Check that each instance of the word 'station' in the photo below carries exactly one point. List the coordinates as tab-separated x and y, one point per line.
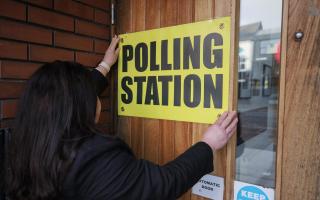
177	73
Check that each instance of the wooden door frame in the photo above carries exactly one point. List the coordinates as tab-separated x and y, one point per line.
231	147
233	97
283	62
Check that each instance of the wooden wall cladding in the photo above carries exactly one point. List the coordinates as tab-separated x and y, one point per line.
298	173
161	140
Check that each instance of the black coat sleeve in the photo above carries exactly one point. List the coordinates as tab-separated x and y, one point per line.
100	81
117	174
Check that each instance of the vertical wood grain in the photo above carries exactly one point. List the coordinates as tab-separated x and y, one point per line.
282	91
233	95
137	132
223	8
186	11
124	13
152	126
182	130
168	17
301	137
203	11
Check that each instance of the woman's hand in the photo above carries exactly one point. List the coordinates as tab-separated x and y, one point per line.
218	134
112	53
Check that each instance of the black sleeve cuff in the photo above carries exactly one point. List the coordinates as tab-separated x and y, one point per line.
99	81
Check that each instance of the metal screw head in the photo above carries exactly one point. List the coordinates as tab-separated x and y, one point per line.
298	35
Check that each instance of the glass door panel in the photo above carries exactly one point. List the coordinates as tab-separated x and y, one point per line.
258	76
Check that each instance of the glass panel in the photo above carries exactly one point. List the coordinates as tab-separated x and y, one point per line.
259	63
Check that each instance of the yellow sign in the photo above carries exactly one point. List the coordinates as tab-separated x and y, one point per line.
176	73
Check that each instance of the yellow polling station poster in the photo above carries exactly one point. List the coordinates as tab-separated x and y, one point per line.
176	73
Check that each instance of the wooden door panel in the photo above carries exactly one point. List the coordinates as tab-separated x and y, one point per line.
162	140
151	127
300	161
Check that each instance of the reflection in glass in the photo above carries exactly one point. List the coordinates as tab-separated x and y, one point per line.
258	81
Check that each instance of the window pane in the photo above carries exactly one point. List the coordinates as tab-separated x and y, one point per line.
258	71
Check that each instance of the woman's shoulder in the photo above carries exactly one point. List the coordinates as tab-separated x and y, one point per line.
99	144
95	151
102	140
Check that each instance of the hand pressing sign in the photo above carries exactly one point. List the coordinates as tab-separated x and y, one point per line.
218	134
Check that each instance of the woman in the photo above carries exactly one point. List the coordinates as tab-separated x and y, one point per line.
56	152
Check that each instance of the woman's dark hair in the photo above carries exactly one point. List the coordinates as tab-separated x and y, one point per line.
56	112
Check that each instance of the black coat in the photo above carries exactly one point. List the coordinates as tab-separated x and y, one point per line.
105	168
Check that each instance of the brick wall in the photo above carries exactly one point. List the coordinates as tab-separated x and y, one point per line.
33	32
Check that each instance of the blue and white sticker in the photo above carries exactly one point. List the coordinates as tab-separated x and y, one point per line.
246	191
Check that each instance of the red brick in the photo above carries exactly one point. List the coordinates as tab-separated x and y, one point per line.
105	117
105	103
13	9
9	108
100	46
48	54
17	70
74	8
91	29
9	49
88	59
24	32
73	41
102	17
11	89
102	4
52	19
42	3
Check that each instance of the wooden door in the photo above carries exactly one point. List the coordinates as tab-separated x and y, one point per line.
298	167
161	140
298	155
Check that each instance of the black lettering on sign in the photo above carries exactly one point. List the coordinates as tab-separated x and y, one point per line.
126	98
152	91
207	51
153	55
212	91
141	57
192	93
165	88
127	52
176	53
177	90
191	52
206	187
164	56
139	80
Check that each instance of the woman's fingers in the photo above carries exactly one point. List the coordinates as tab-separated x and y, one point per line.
232	126
221	118
114	42
117	51
111	55
232	132
226	122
